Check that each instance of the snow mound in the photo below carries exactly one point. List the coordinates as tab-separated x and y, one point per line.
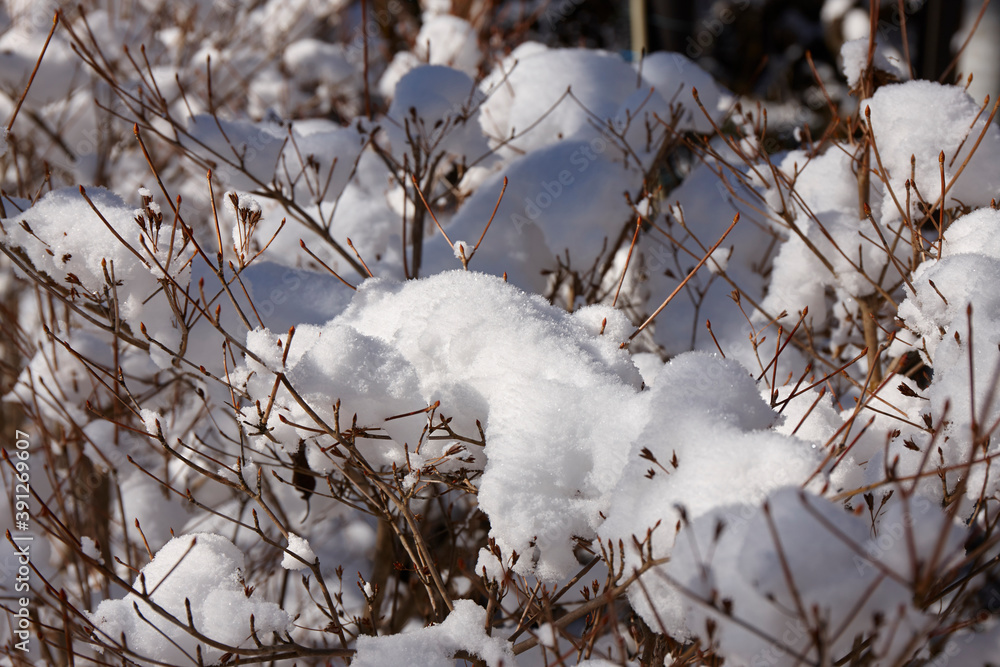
953	313
528	96
571	193
799	556
674	77
854	59
206	570
546	386
437	109
245	153
708	443
435	646
80	249
924	118
449	40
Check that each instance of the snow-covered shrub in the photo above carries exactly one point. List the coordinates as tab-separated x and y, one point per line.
334	332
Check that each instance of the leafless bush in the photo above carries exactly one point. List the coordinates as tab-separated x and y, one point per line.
112	394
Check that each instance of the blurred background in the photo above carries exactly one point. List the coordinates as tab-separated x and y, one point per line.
785	53
758	47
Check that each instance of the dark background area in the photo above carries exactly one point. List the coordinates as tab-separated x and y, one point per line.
753	47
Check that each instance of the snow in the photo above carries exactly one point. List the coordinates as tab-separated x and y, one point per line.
527	94
300	547
923	119
836	568
674	77
572	194
151	420
489	565
438	107
313	62
828	217
449	40
245	204
319	159
401	63
74	253
978	57
232	145
204	569
65	238
854	59
953	313
90	549
461	249
974	233
709	438
436	645
486	351
507	401
436	6
603	87
19	51
834	9
856	24
548	636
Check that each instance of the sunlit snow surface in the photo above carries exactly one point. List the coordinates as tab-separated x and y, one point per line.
686	462
202	570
